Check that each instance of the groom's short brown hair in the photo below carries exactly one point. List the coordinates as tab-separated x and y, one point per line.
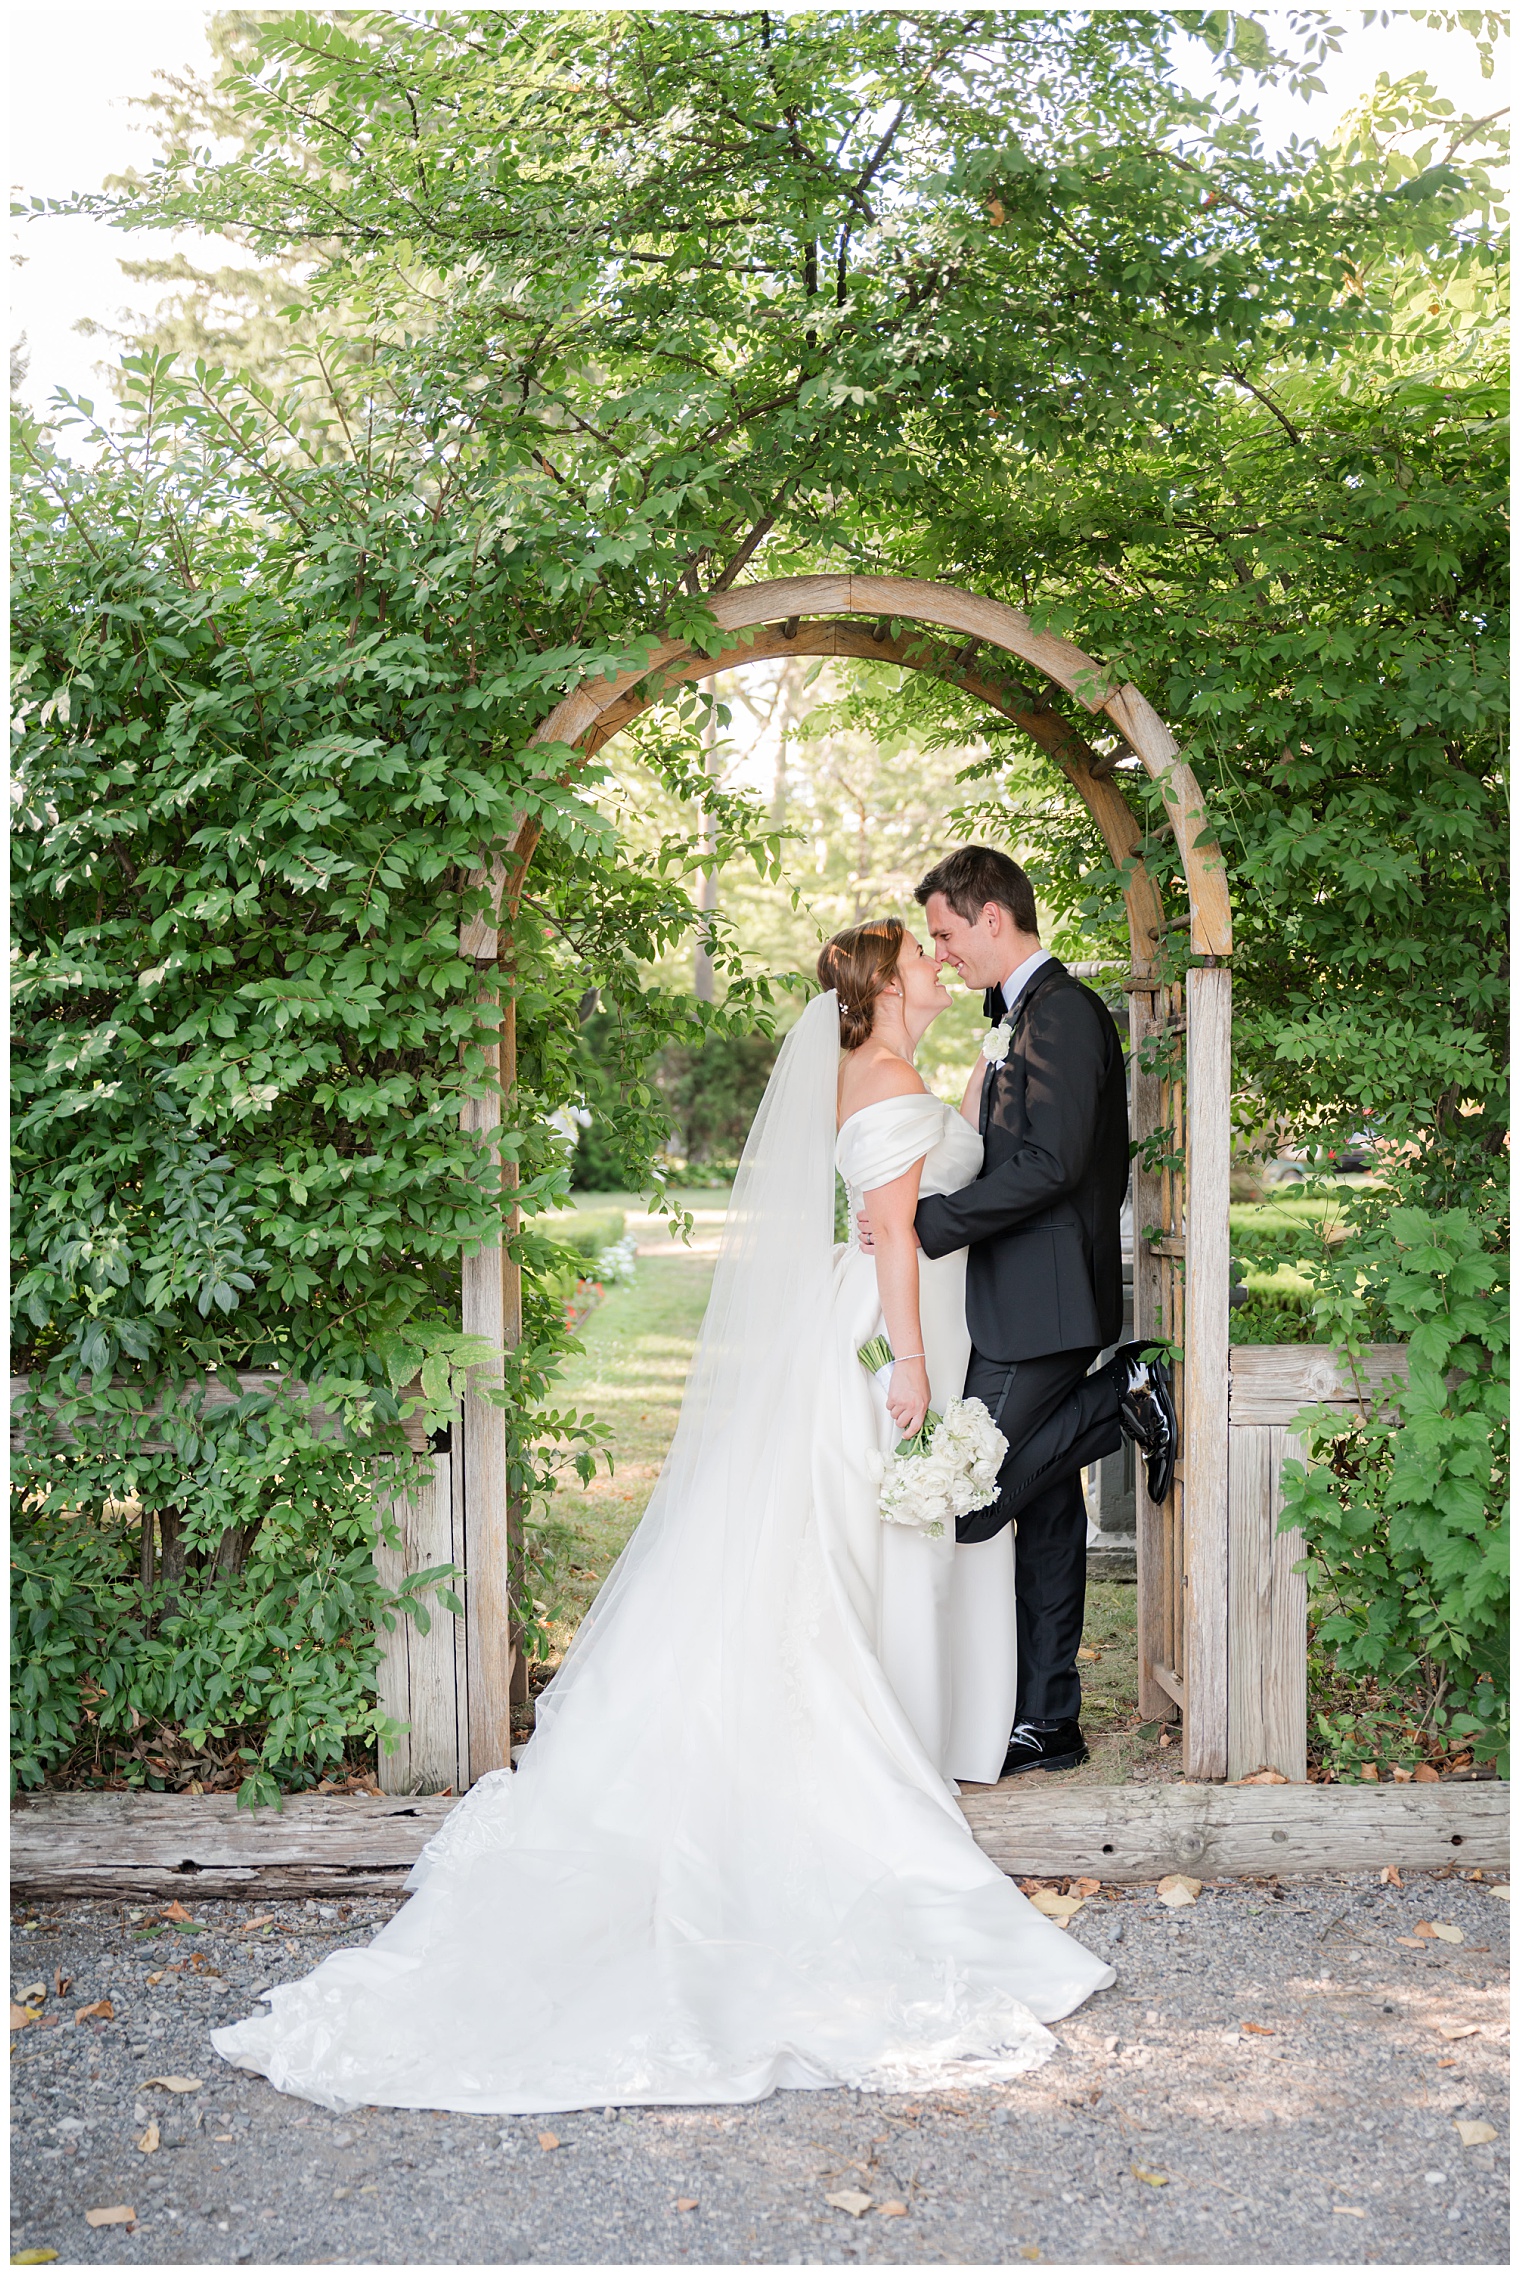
972	876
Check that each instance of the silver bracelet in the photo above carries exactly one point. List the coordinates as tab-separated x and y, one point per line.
900	1359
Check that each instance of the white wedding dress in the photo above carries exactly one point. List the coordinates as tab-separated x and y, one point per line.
940	1618
730	1860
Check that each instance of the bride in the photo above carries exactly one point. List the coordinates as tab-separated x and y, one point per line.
730	1860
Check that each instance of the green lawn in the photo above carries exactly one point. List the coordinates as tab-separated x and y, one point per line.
638	1346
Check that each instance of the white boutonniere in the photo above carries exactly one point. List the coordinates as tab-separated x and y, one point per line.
995	1043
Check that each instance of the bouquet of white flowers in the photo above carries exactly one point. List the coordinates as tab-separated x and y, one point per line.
948	1469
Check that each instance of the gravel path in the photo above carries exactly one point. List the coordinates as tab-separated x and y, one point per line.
1162	2132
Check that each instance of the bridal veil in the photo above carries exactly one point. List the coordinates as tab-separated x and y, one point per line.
724	1864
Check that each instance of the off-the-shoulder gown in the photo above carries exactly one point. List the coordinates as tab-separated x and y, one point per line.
730	1859
940	1618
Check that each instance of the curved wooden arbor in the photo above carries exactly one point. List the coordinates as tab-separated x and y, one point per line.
1180	1116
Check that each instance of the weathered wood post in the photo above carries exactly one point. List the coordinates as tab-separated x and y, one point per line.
1198	1236
486	1528
454	1684
1206	1489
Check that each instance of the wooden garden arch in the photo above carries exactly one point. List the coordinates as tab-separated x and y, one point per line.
460	1704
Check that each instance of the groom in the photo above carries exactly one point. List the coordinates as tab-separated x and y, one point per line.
1044	1277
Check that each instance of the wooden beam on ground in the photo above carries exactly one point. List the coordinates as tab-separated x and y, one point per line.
146	1846
193	1846
1138	1832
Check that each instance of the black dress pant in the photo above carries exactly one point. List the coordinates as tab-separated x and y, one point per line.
1057	1418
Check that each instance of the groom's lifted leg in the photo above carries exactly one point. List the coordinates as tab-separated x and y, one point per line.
1057	1418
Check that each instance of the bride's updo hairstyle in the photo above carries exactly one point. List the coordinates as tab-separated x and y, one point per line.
858	964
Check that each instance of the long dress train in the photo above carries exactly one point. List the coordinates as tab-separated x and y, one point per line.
727	1863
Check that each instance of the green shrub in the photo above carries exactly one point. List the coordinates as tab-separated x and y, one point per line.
1279	1308
588	1233
1404	1513
712	1090
707	1092
262	1663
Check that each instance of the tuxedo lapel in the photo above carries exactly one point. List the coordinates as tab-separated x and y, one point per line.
984	1106
1047	973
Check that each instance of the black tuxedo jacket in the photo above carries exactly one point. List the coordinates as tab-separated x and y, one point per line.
1045	1272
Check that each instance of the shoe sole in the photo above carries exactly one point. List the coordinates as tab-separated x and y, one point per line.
1057	1761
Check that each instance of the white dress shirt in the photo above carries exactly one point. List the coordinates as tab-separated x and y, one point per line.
1017	981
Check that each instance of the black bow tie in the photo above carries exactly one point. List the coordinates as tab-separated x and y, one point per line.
993	1005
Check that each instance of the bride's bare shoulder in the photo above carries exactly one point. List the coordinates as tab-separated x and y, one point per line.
867	1077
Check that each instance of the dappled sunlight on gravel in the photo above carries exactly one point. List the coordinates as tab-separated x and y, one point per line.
1163	2132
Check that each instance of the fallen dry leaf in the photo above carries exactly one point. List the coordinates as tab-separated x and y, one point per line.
175	1911
1085	1887
1410	1942
1177	1888
110	2216
1501	1890
265	1919
1370	1772
1259	2029
61	1983
893	2211
1441	1929
147	2142
1472	2132
1085	1653
1401	1775
21	2016
1450	2063
548	2140
40	2255
99	2010
33	1995
1151	2179
223	2138
849	2200
1060	1908
1459	2029
1389	1876
686	2203
1425	1775
157	1976
1029	2251
1264	1776
173	2085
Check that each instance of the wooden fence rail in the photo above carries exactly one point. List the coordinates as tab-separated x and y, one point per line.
1270	1384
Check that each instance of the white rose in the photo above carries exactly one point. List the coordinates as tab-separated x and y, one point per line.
995	1044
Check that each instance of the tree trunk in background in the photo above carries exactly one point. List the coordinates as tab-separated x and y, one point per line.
703	984
171	1552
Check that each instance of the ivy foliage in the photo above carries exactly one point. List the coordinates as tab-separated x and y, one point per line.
1404	1515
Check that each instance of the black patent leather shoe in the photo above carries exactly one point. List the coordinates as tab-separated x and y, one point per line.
1061	1746
1147	1415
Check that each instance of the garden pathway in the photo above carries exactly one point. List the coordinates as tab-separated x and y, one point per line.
1270	2080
